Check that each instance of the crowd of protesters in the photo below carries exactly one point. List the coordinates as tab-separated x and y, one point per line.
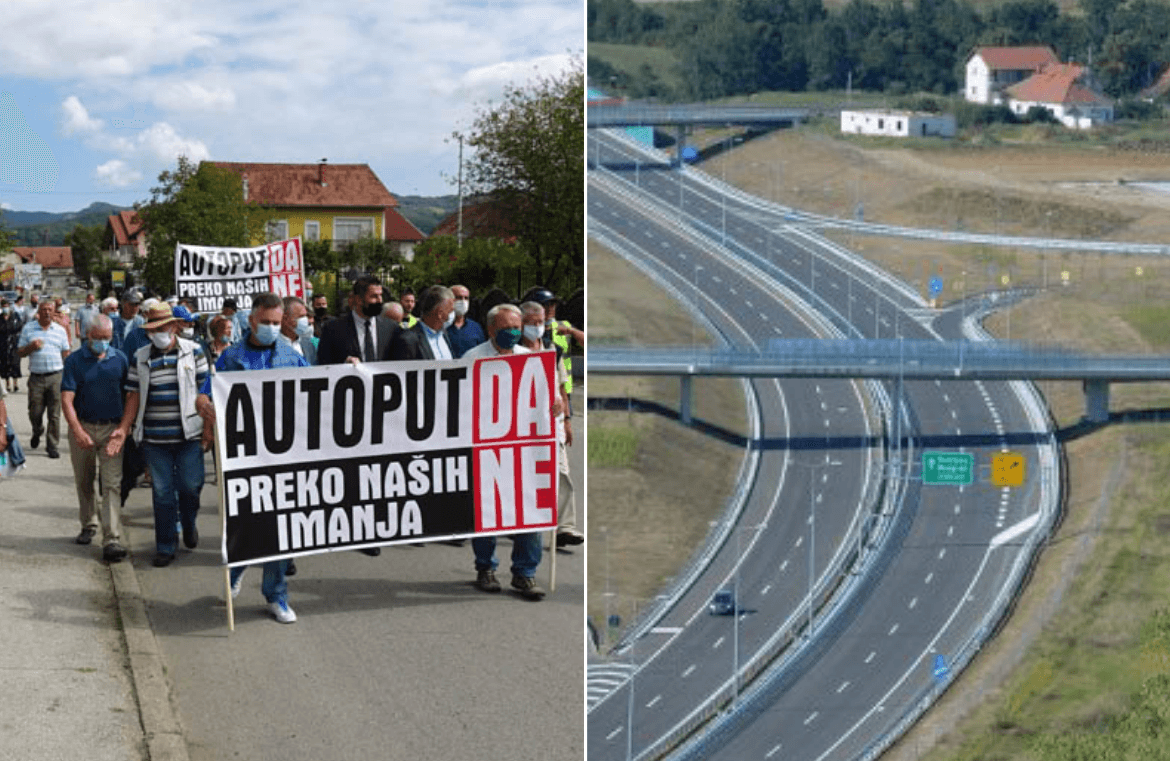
135	393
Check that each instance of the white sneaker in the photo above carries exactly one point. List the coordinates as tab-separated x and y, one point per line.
238	584
284	614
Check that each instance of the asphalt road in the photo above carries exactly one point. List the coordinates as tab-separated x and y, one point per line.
394	657
948	550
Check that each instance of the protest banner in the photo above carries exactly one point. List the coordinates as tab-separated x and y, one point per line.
210	274
340	457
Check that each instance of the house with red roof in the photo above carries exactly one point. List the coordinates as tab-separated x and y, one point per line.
1065	89
56	266
126	237
341	203
482	218
991	70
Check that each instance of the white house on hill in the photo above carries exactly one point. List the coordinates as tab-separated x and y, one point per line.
992	70
897	123
1066	91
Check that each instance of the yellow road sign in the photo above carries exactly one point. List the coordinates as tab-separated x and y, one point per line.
1008	469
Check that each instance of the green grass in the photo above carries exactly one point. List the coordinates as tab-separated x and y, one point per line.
631	59
613	447
1151	320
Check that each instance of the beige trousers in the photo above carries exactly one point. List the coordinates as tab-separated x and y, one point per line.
91	463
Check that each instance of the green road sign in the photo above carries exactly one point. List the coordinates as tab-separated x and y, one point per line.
948	468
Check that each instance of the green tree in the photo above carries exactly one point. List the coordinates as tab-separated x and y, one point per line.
202	205
480	264
6	239
529	159
88	245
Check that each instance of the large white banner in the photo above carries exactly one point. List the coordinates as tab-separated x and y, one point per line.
210	274
339	457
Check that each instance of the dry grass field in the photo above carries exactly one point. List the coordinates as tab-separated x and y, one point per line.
1073	652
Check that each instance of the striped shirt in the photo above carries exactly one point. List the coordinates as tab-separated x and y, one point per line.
48	358
162	422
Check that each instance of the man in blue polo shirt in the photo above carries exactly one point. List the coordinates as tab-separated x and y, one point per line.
91	397
46	344
260	349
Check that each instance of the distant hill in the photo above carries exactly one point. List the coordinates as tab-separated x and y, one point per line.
45	228
425	212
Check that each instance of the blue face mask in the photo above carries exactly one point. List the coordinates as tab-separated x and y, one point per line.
98	347
507	338
266	335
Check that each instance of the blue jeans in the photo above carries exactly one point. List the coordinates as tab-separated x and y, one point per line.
176	474
274	586
525	553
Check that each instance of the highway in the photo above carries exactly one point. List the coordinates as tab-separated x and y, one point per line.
938	562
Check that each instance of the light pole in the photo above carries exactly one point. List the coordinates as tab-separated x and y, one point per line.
695	319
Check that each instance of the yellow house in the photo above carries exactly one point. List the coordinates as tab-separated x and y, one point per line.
336	202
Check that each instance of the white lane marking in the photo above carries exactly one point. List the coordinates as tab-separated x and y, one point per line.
733	291
799	541
690	670
783	565
893	629
869	657
1012	532
763	317
614	733
950	530
843	687
811	717
653	702
914	603
666	630
764	591
929	576
718	642
774	751
942	553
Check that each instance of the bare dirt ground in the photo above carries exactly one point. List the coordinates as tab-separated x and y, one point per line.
1068	656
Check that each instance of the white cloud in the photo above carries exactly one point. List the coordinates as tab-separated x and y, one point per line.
160	141
117	173
189	95
77	118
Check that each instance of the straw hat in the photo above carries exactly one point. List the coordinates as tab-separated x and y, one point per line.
157	315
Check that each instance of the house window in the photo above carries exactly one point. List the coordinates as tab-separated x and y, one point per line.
348	229
312	230
276	229
881	123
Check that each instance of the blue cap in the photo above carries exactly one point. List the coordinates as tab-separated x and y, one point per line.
181	313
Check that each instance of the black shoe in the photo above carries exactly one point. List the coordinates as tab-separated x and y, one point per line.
52	453
35	441
291	570
191	538
113	552
486	580
162	560
567	538
527	587
86	536
371	551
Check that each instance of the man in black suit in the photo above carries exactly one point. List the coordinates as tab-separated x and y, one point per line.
345	339
359	335
427	338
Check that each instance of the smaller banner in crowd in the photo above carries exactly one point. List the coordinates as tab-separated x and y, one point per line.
210	274
338	457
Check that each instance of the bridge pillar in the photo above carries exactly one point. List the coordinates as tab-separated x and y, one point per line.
684	399
680	141
1097	401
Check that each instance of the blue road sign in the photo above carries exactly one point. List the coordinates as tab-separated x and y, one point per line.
936	286
941	669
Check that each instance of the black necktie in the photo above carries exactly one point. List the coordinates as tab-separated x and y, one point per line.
369	351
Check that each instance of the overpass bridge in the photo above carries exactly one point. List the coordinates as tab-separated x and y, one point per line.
606	114
888	359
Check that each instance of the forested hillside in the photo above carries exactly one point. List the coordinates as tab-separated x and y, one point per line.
735	47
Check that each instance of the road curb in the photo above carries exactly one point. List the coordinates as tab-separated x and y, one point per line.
160	720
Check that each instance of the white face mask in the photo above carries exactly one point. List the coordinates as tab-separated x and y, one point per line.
304	329
461	306
161	339
449	321
533	332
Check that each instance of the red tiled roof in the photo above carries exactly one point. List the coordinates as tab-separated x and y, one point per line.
126	226
1160	87
49	257
1058	83
1033	58
399	227
300	184
484	219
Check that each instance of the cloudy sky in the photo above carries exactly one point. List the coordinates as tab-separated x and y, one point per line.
97	98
